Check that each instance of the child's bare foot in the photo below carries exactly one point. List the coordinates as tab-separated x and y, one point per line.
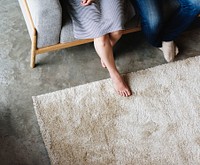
120	86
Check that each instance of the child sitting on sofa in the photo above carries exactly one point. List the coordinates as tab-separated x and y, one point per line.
103	21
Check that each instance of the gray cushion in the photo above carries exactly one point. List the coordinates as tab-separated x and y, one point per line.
67	29
66	34
47	18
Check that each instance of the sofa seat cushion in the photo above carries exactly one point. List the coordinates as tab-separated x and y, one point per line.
66	34
67	26
67	29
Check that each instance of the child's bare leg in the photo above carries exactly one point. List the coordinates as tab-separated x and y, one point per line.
114	37
104	50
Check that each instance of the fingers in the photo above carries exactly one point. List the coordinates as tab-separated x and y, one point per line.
83	1
86	2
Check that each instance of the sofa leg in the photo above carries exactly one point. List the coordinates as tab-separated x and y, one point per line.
33	58
33	51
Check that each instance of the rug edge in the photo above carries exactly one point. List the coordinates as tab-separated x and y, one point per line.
125	74
45	138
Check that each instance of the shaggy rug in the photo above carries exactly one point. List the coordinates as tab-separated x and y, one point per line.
159	125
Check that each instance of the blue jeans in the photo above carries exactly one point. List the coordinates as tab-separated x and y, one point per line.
155	28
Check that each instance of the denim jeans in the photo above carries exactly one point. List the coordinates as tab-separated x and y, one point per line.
155	28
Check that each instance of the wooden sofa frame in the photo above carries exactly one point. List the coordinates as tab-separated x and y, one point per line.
35	51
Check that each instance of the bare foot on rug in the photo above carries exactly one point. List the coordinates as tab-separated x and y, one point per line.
120	86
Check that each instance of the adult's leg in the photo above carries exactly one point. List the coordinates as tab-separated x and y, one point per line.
152	19
186	13
104	50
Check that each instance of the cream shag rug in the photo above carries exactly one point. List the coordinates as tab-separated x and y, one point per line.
159	125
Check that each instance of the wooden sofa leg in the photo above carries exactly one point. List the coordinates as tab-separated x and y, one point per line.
33	57
33	51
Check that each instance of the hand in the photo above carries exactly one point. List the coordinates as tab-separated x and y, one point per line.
86	2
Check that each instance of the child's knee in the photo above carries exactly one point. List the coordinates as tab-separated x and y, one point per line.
117	34
102	40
